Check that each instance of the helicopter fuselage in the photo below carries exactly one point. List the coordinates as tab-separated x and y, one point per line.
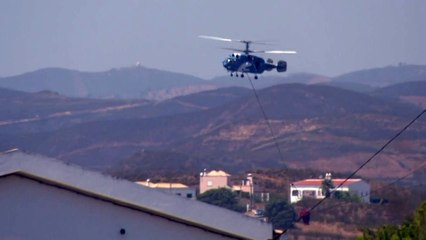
242	62
246	63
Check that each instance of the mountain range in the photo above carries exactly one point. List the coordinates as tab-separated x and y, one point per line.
314	125
287	128
130	82
140	82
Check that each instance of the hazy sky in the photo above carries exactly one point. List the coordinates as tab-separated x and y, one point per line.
331	36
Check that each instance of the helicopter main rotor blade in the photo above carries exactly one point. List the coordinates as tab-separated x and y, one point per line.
276	52
236	49
234	40
217	38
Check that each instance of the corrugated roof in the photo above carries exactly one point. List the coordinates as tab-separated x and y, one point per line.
318	182
219	173
126	193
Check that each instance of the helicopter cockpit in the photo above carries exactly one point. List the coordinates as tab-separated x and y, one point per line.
231	61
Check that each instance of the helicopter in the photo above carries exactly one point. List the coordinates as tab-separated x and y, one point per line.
244	62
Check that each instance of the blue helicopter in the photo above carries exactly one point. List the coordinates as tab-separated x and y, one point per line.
243	62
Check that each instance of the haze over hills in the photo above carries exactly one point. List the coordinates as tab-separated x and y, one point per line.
414	92
267	81
318	126
141	82
18	105
134	82
46	111
386	76
130	82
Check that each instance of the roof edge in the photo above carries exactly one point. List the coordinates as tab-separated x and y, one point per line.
121	203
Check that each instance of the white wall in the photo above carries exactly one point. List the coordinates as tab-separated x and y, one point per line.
360	188
33	210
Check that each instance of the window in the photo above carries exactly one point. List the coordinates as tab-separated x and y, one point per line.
309	193
189	195
179	194
209	183
295	193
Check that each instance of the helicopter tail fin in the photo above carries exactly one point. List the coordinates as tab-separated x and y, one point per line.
281	66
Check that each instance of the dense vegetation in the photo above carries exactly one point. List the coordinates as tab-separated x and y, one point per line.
413	228
280	214
222	197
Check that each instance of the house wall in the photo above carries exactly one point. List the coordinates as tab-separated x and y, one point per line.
33	210
361	189
213	182
302	191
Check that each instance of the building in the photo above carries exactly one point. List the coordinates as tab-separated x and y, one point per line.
178	189
42	198
214	180
246	185
312	188
220	179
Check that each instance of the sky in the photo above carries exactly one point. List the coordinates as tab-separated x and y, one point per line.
331	37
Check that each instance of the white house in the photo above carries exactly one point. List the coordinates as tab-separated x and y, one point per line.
311	188
42	198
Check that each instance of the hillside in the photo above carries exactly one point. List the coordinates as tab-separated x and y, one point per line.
130	82
17	105
47	111
134	82
321	127
353	86
140	82
23	112
413	92
416	88
381	77
268	80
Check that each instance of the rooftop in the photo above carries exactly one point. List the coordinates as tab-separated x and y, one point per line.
127	194
162	184
219	173
318	182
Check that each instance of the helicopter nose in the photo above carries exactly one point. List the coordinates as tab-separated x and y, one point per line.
227	63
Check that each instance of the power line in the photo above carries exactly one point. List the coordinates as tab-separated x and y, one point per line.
266	119
268	123
402	178
358	169
384	186
372	157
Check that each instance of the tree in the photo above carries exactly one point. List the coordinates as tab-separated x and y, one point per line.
414	228
222	197
281	214
326	187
